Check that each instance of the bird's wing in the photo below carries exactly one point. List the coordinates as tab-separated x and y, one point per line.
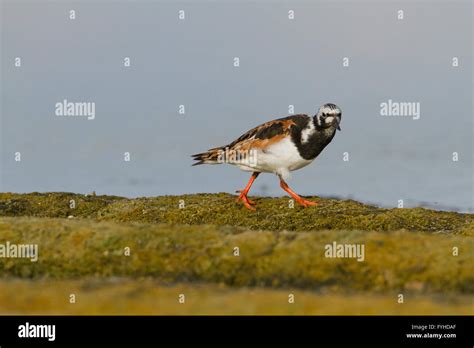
259	137
267	133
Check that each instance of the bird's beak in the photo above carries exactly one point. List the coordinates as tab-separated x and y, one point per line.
336	120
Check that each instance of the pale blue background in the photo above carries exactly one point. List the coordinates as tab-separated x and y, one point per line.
282	62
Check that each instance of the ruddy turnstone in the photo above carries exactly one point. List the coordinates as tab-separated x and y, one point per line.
279	146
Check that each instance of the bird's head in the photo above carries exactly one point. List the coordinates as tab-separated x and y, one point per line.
329	115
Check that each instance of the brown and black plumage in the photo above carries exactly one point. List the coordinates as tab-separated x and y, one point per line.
279	146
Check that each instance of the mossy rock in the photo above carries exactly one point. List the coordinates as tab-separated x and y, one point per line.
394	261
273	214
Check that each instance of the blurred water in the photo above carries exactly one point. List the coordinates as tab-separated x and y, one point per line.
282	62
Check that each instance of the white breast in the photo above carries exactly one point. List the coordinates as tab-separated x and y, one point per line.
279	158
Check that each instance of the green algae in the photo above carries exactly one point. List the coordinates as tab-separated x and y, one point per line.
273	214
397	260
191	239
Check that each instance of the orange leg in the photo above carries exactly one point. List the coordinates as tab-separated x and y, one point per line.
297	198
243	193
245	198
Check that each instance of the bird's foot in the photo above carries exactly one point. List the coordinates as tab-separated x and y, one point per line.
305	203
244	197
247	202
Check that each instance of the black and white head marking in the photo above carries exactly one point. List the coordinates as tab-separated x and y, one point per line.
329	115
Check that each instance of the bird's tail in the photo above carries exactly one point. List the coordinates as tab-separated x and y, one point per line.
211	156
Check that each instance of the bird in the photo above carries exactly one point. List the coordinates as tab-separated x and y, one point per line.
279	146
